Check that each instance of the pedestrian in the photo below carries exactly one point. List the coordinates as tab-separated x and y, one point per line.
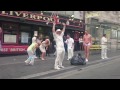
48	49
70	46
38	52
87	42
43	47
34	40
81	43
54	45
58	36
0	38
31	50
104	47
65	45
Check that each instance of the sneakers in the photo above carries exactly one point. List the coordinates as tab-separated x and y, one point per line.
61	67
27	62
68	59
57	68
106	58
103	58
86	60
31	62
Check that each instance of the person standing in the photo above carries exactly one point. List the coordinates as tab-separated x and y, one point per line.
104	47
87	42
31	50
38	52
65	45
58	36
81	43
70	46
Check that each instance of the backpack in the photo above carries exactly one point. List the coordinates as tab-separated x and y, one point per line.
77	60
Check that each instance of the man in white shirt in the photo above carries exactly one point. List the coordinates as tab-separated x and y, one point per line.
34	39
104	47
58	37
70	46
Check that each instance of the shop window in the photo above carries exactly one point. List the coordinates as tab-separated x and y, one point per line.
10	32
25	36
114	34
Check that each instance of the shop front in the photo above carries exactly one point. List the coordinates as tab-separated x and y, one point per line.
18	28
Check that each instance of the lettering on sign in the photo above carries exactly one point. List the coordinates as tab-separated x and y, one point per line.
27	15
13	49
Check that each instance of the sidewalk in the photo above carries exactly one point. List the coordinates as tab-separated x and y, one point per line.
14	66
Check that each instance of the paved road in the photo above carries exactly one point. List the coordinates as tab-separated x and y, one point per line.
14	67
106	70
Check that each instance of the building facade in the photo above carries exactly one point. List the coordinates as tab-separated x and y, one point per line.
104	22
18	28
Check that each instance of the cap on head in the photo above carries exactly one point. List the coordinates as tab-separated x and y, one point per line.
58	30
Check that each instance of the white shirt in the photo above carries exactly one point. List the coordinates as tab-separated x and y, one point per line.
104	41
70	43
59	40
80	40
34	40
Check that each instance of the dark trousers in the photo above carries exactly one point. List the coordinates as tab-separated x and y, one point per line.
48	52
38	52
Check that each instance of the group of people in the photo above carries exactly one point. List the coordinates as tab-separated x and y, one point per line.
58	34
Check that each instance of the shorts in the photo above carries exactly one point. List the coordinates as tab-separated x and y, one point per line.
42	49
87	44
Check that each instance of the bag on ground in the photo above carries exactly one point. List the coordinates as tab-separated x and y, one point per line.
77	60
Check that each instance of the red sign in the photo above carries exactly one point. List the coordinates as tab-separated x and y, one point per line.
13	49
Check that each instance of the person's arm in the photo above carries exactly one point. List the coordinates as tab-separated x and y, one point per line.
64	26
53	29
91	39
84	39
73	43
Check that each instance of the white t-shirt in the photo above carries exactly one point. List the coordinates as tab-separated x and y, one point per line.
80	40
59	40
104	41
70	42
34	40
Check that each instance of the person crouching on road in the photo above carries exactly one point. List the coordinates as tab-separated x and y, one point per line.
44	45
104	47
31	50
70	46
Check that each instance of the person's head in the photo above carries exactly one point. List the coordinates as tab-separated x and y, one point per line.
36	45
68	35
58	31
86	32
104	35
80	36
47	37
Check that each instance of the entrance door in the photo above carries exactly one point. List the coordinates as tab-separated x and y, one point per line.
118	40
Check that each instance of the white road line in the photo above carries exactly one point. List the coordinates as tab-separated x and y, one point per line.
19	62
73	72
43	73
51	71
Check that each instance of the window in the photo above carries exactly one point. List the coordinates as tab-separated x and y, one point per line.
10	37
114	34
10	32
25	35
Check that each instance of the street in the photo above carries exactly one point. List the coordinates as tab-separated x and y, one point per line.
109	70
13	67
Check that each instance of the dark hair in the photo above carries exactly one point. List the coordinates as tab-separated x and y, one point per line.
104	35
47	37
68	34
